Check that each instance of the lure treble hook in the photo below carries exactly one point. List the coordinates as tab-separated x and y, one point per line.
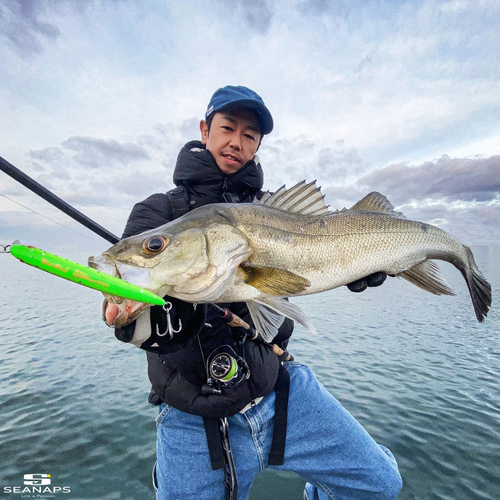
170	328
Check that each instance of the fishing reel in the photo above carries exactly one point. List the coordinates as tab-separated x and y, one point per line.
224	369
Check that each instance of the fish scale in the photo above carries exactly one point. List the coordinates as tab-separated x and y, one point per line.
328	250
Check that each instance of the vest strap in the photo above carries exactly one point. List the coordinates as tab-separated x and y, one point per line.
214	441
277	452
282	387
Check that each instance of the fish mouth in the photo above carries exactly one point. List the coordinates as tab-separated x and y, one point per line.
118	312
104	265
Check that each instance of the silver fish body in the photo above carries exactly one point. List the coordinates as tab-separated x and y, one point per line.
287	245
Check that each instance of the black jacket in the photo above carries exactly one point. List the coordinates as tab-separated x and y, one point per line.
177	368
204	182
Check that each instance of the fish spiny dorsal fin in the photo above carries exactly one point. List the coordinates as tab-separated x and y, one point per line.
376	202
302	198
263	199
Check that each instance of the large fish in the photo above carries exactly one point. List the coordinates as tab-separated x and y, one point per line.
287	244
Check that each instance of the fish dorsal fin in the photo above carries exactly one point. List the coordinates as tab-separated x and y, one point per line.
376	202
264	198
305	199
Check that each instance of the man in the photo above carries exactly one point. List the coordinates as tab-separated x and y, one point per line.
212	383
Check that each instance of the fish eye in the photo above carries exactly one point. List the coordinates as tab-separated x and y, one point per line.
155	244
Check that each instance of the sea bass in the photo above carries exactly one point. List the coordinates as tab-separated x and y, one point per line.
287	244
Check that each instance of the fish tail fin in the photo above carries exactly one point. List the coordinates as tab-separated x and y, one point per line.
479	288
427	275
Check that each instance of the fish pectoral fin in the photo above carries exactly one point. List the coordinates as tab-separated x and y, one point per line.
427	275
268	315
274	281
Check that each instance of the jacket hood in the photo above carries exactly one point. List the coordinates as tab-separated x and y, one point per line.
196	166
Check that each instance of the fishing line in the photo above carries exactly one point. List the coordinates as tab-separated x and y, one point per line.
52	220
54	200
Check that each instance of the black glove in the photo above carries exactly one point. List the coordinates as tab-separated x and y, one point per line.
375	279
125	333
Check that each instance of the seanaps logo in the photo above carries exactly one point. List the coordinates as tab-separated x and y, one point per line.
37	486
35	479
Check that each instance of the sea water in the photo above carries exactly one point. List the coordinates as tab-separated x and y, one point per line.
418	371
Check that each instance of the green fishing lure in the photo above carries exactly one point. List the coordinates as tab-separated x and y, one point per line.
83	275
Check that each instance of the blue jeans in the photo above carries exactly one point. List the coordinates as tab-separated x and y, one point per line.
325	445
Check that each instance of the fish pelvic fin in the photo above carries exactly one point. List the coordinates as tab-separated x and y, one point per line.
427	275
266	321
268	314
376	202
305	199
479	288
274	281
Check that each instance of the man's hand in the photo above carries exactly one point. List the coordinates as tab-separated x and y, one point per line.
375	279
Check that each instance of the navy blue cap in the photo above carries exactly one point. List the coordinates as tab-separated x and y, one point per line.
245	97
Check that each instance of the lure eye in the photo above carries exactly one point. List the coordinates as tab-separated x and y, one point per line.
155	244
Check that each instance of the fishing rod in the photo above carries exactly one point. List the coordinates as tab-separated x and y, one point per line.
54	200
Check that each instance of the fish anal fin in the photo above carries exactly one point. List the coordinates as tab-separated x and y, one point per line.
427	275
274	281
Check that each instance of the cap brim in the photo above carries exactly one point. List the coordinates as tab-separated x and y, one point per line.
265	118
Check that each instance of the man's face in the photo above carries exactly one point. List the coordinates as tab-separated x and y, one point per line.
234	138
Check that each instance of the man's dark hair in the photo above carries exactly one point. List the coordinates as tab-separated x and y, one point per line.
209	121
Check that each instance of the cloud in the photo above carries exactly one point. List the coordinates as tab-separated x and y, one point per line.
93	173
367	60
95	153
460	195
452	179
103	94
20	25
287	161
89	172
257	14
321	7
143	184
47	155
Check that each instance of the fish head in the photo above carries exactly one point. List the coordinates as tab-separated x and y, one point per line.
156	260
182	260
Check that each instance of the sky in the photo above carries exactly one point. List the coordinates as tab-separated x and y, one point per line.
400	97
